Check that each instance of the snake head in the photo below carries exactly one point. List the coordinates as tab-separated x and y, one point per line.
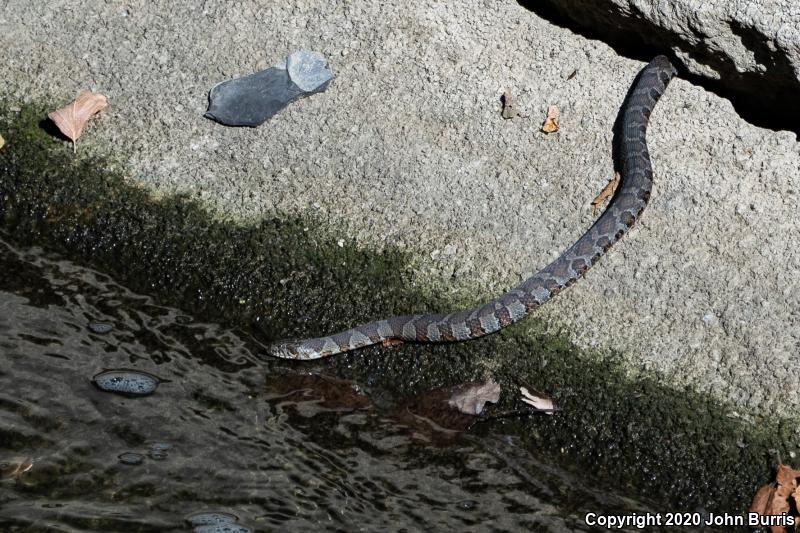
292	350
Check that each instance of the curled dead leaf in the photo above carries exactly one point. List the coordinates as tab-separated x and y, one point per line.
538	401
72	118
2	141
551	122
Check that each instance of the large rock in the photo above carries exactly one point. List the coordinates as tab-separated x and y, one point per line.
748	50
408	150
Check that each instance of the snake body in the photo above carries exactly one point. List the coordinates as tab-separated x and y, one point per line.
630	199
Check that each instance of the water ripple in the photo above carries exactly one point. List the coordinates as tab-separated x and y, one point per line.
290	452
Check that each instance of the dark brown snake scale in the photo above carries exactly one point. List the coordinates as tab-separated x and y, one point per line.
633	191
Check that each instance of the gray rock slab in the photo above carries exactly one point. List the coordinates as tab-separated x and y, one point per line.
749	49
412	152
253	99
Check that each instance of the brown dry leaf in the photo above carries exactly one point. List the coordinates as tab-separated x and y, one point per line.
774	499
471	399
607	191
780	499
551	122
762	501
538	401
72	118
2	141
786	479
786	475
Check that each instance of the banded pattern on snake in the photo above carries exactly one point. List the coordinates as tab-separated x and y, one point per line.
633	192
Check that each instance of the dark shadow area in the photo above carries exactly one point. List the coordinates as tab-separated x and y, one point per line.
49	127
767	100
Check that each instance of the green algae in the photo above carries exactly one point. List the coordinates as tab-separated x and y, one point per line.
289	275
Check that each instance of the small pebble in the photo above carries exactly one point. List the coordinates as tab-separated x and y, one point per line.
131	458
158	456
100	327
126	382
467	505
158	451
211	518
509	109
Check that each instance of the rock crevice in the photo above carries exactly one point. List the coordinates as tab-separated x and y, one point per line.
747	51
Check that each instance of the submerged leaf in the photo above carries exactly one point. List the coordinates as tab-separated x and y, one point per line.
72	118
470	399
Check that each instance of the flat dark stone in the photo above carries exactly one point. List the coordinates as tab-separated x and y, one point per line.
251	100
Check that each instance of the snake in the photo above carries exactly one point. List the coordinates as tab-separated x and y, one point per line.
629	200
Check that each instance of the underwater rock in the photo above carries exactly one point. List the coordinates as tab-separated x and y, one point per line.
100	327
131	458
129	382
159	451
251	100
211	518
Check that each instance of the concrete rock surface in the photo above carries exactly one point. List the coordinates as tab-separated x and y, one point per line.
748	49
408	149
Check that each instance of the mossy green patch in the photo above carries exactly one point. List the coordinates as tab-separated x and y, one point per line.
280	269
289	274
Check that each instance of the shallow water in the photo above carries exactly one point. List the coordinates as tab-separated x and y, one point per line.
286	451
